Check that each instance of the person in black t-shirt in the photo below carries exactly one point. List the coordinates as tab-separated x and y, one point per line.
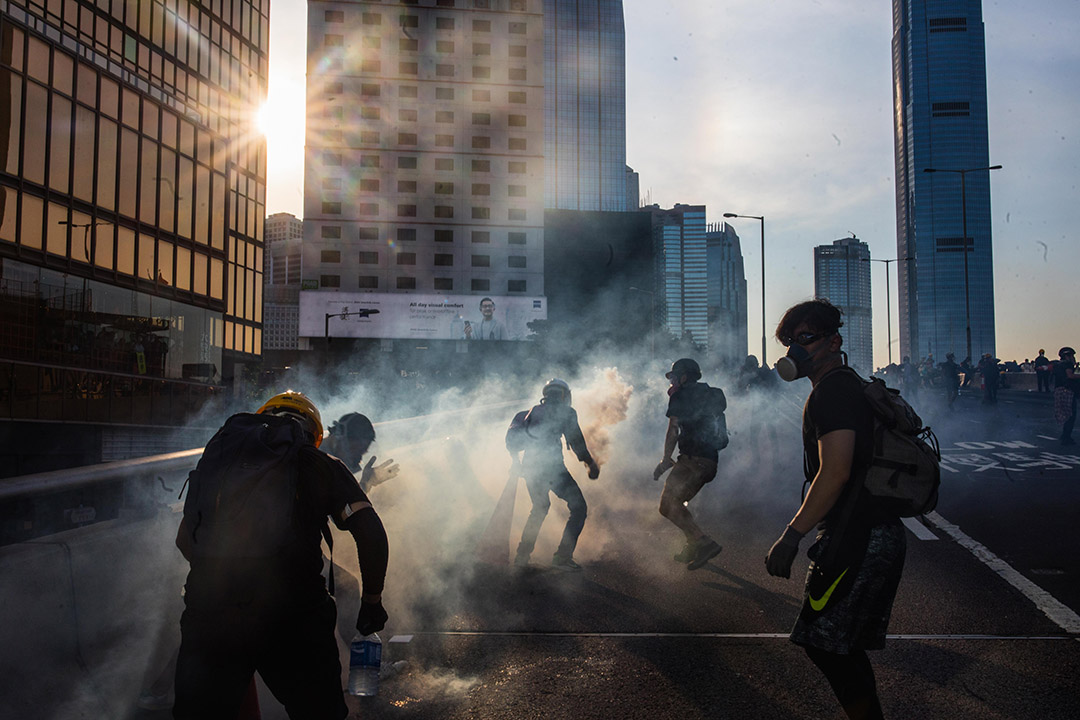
950	375
1066	388
859	553
693	411
1042	371
272	615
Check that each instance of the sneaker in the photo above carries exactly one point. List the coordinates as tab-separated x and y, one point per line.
705	551
149	701
561	562
686	554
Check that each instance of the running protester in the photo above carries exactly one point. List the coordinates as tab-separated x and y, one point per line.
858	556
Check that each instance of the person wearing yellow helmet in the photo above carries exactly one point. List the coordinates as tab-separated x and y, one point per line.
256	601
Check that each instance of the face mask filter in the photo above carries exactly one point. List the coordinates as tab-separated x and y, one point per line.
794	365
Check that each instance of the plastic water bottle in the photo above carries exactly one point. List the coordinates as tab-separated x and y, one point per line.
365	657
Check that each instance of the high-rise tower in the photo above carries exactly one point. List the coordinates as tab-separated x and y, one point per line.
585	105
842	276
727	294
939	94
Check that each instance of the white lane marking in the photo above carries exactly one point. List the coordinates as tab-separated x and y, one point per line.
918	529
1047	437
1058	613
400	639
714	635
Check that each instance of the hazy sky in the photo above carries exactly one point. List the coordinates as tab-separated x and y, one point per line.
783	109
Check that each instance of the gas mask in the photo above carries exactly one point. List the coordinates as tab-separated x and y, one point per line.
797	363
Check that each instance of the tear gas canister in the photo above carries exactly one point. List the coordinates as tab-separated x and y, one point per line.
365	657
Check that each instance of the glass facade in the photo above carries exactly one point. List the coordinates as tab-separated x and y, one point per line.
842	276
585	105
681	283
727	294
132	187
940	122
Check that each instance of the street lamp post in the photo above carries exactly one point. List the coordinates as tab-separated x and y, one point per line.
762	219
964	240
888	298
361	313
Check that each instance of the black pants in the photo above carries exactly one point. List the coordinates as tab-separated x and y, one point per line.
1044	380
1067	428
294	651
558	481
852	680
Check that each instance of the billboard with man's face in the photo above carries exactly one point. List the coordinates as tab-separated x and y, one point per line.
418	317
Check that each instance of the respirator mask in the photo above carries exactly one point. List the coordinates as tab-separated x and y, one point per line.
798	361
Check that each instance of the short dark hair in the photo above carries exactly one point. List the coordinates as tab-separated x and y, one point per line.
484	300
820	316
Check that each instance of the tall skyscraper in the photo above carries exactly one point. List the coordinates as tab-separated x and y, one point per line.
727	294
282	272
939	94
680	249
132	190
585	104
425	140
633	189
842	276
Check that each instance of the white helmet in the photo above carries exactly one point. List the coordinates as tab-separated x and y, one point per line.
557	390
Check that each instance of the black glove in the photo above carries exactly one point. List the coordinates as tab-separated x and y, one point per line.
371	618
783	552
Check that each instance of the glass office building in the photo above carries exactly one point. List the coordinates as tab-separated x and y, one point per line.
727	294
842	276
681	253
945	270
132	191
585	105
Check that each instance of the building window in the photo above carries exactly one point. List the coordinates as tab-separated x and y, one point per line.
331	208
481	141
372	42
444	188
951	24
334	16
481	25
370	113
515	190
444	211
406	186
481	261
518	143
515	286
368	282
406	283
407	91
368	233
406	234
517	74
444	141
516	261
444	93
406	210
369	137
334	88
330	256
516	167
332	158
479	49
444	260
518	28
372	19
481	118
444	116
331	183
515	120
517	51
951	109
479	166
481	213
371	66
407	68
369	185
444	236
481	189
516	96
367	209
408	45
516	238
369	161
444	23
409	21
481	284
370	89
445	3
368	257
329	281
331	232
481	95
444	283
407	115
406	258
482	4
516	214
406	138
406	162
444	70
444	46
333	40
481	236
517	5
444	164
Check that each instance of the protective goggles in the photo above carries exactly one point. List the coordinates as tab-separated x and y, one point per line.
805	338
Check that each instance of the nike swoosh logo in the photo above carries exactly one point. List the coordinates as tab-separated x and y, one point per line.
818	604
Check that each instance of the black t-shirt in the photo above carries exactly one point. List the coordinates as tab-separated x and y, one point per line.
1061	379
838	403
294	576
696	406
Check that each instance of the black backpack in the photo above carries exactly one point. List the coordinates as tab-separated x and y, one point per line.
718	404
242	499
516	437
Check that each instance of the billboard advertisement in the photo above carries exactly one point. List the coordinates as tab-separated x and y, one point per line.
418	317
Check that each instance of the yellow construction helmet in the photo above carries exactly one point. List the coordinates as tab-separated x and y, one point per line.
295	403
